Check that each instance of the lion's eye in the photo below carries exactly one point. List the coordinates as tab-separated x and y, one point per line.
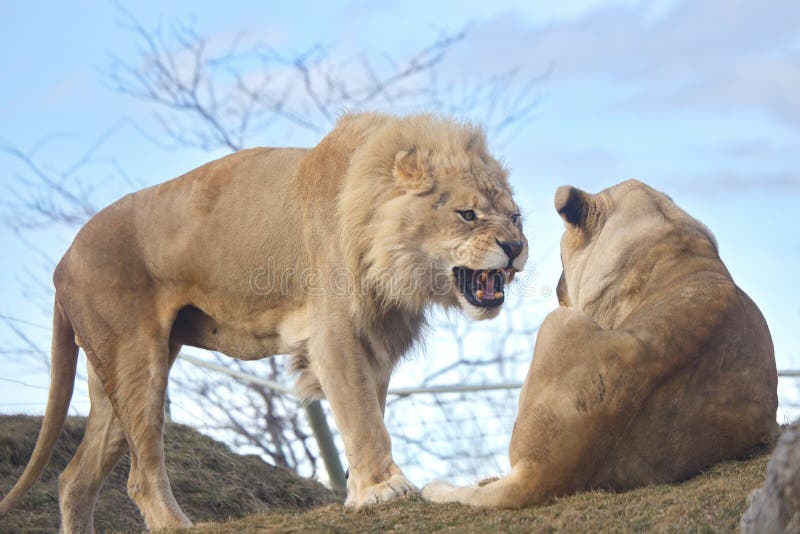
467	215
516	218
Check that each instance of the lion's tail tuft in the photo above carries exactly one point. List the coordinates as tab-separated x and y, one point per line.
63	365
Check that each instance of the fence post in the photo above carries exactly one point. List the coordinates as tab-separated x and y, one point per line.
327	448
167	407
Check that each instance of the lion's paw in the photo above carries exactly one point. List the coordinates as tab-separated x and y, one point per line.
396	486
439	491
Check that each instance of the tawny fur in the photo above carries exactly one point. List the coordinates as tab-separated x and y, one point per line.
330	254
656	365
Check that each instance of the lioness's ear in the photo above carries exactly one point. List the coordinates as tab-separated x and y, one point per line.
413	171
572	204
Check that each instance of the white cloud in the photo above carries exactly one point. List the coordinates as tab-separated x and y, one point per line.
717	53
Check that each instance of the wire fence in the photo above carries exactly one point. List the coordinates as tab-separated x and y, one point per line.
460	429
454	422
457	432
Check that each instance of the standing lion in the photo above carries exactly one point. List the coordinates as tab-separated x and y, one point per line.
331	254
655	366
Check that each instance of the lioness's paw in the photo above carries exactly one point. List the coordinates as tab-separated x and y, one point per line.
396	486
439	491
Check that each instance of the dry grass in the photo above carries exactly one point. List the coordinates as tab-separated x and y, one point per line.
213	484
209	481
711	502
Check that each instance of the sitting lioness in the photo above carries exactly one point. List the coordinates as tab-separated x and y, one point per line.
655	366
331	254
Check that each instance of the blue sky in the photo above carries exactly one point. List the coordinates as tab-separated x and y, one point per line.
697	98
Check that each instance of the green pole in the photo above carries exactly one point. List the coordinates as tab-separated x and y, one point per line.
327	448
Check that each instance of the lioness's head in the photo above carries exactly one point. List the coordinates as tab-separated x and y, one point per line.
619	240
443	216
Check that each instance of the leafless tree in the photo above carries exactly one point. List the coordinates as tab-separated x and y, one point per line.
215	95
212	95
250	417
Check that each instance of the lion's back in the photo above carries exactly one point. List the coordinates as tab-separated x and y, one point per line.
203	228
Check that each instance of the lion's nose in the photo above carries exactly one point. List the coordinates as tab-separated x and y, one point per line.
511	248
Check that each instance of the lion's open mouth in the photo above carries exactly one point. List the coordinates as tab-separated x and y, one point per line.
483	287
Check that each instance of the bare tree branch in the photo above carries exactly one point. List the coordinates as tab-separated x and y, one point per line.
209	100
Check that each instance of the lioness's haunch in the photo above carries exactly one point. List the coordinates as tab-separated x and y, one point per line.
655	366
330	254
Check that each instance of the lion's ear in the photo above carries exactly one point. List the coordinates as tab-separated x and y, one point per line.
412	169
572	204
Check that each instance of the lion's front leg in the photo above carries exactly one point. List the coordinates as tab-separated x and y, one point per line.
355	393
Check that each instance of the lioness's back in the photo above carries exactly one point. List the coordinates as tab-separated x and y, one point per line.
726	401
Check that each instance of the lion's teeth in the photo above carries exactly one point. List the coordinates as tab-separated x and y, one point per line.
479	293
510	274
484	276
498	295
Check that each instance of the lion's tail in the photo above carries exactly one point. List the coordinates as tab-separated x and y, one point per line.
62	379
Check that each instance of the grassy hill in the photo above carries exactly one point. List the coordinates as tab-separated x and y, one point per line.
711	502
212	484
209	481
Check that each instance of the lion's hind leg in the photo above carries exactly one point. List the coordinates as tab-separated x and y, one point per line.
144	394
578	394
102	446
136	384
